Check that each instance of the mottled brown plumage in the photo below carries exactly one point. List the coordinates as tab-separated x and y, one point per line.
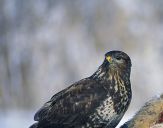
94	102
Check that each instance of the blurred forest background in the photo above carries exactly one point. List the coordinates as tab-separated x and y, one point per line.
46	45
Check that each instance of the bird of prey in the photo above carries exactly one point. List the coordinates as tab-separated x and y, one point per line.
98	101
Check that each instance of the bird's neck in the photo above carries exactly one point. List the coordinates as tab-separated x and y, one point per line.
109	75
115	81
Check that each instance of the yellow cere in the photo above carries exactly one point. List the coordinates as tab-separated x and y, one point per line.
109	58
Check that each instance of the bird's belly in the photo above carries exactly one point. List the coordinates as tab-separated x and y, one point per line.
104	114
106	110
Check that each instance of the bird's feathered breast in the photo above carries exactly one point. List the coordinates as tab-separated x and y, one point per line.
117	83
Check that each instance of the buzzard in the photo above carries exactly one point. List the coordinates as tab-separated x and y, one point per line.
98	101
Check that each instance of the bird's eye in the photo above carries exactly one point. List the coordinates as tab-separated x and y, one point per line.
118	57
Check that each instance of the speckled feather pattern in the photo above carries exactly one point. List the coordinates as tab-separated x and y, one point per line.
98	101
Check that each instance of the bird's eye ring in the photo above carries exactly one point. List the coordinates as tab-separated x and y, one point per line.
118	57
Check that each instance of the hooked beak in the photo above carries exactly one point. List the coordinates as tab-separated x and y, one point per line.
109	59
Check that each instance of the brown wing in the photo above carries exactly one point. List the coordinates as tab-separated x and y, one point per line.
74	103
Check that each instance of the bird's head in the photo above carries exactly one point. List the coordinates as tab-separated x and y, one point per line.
115	60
